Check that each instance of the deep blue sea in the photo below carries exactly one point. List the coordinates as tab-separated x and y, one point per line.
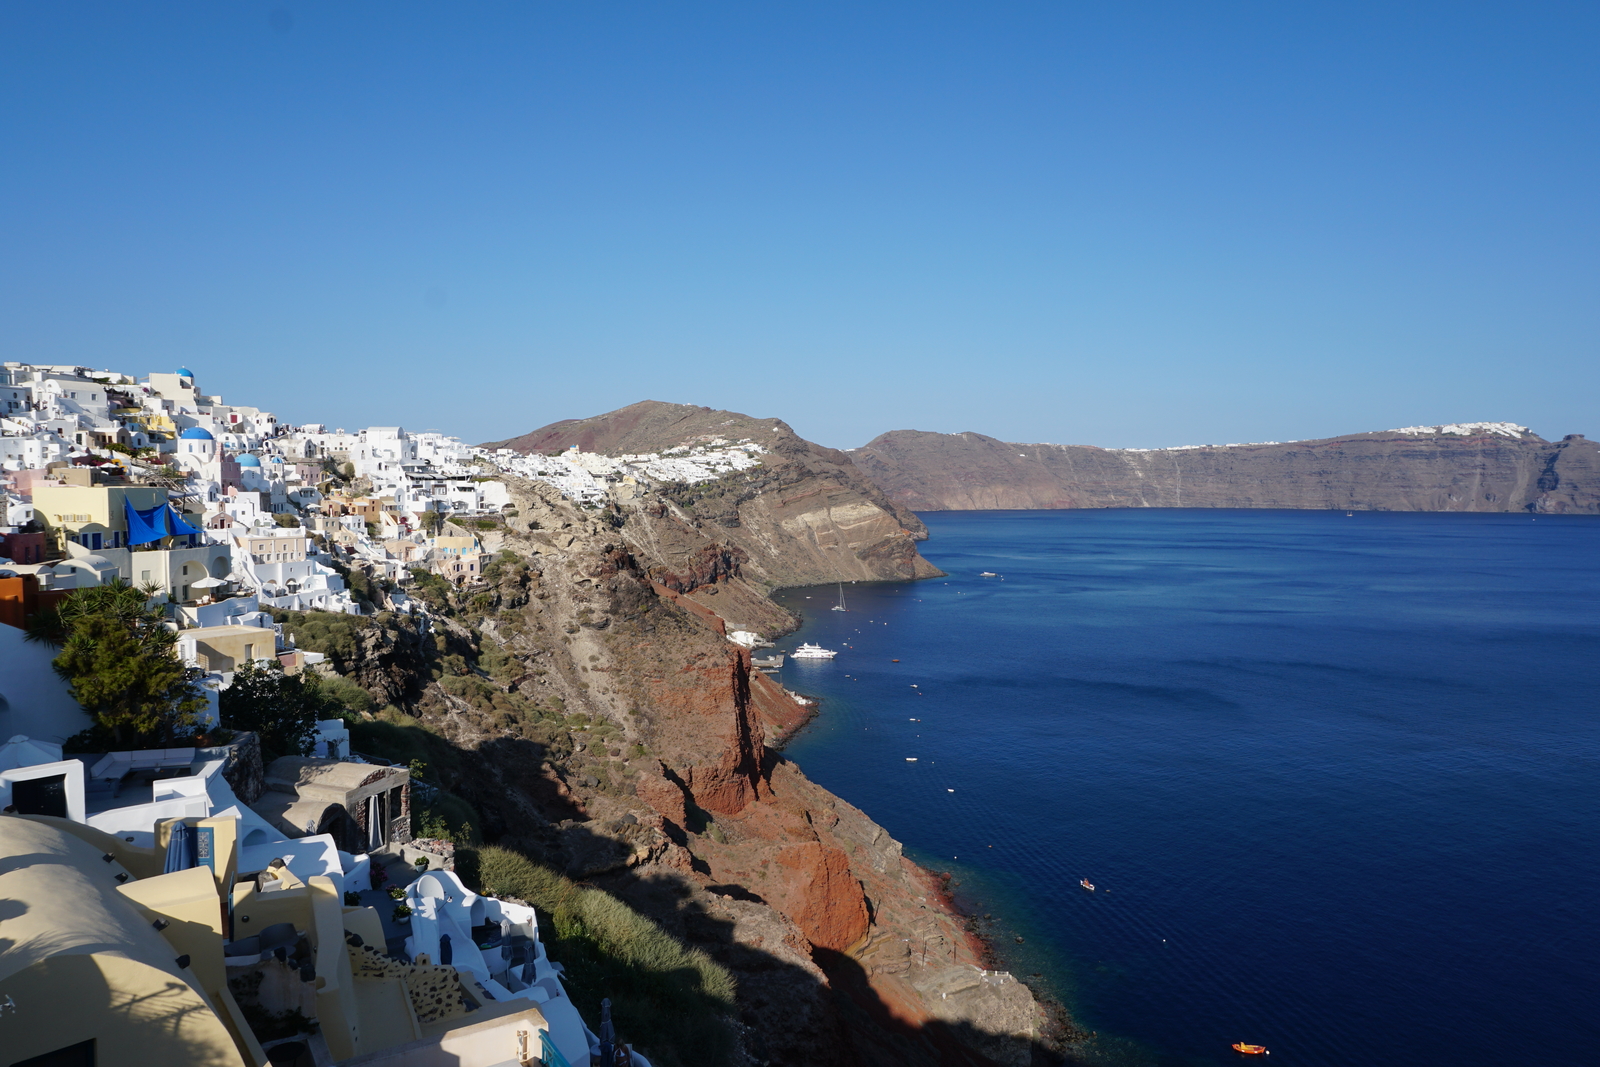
1337	779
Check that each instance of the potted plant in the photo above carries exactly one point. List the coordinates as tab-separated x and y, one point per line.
401	913
420	863
397	893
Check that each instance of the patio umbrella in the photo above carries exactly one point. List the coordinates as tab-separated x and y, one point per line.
209	583
23	751
181	850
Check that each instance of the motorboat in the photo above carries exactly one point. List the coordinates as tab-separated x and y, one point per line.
987	574
1086	884
1250	1050
809	651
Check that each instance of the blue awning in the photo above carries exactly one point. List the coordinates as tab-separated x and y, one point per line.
179	527
152	524
147	525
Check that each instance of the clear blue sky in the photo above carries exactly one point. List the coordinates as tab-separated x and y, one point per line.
1127	224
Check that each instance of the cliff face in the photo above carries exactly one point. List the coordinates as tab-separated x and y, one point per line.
805	516
1390	471
601	723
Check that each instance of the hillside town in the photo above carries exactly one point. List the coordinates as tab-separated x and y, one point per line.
237	889
227	512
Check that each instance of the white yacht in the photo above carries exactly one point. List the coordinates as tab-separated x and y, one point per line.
812	652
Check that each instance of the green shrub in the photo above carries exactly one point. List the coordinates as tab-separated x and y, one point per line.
349	696
330	632
448	818
402	742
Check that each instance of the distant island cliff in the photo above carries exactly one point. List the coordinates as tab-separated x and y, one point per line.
1486	467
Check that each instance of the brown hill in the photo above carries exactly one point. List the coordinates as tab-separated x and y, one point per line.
1388	471
650	426
805	516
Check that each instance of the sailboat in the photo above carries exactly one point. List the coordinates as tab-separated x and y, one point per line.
840	605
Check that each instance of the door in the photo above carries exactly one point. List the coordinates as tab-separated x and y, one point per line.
41	796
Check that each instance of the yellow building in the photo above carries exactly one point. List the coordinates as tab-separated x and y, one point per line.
151	422
93	519
105	959
226	648
285	546
86	977
460	559
93	515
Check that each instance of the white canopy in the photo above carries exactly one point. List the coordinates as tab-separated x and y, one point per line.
22	751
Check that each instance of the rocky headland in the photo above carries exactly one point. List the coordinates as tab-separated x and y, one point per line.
1468	467
582	706
584	701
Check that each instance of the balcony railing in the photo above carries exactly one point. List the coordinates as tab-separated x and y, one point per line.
549	1053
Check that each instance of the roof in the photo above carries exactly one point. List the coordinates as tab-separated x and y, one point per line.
300	790
303	774
206	633
196	433
247	460
184	372
65	901
93	562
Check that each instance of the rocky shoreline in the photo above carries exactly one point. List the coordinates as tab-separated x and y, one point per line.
1057	1035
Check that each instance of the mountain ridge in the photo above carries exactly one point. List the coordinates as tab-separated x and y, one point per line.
1484	467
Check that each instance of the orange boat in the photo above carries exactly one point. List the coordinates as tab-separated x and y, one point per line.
1250	1050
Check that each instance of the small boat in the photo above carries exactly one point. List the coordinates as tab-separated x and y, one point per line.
1250	1050
812	652
840	605
987	574
1086	884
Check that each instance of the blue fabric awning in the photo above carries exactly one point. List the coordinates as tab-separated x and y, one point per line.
147	525
152	524
179	527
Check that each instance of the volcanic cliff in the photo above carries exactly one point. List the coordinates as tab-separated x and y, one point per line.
599	722
1473	467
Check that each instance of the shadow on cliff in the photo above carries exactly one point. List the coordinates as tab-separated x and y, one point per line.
796	1005
791	1015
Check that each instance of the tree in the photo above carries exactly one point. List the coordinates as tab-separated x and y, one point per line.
282	708
121	662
